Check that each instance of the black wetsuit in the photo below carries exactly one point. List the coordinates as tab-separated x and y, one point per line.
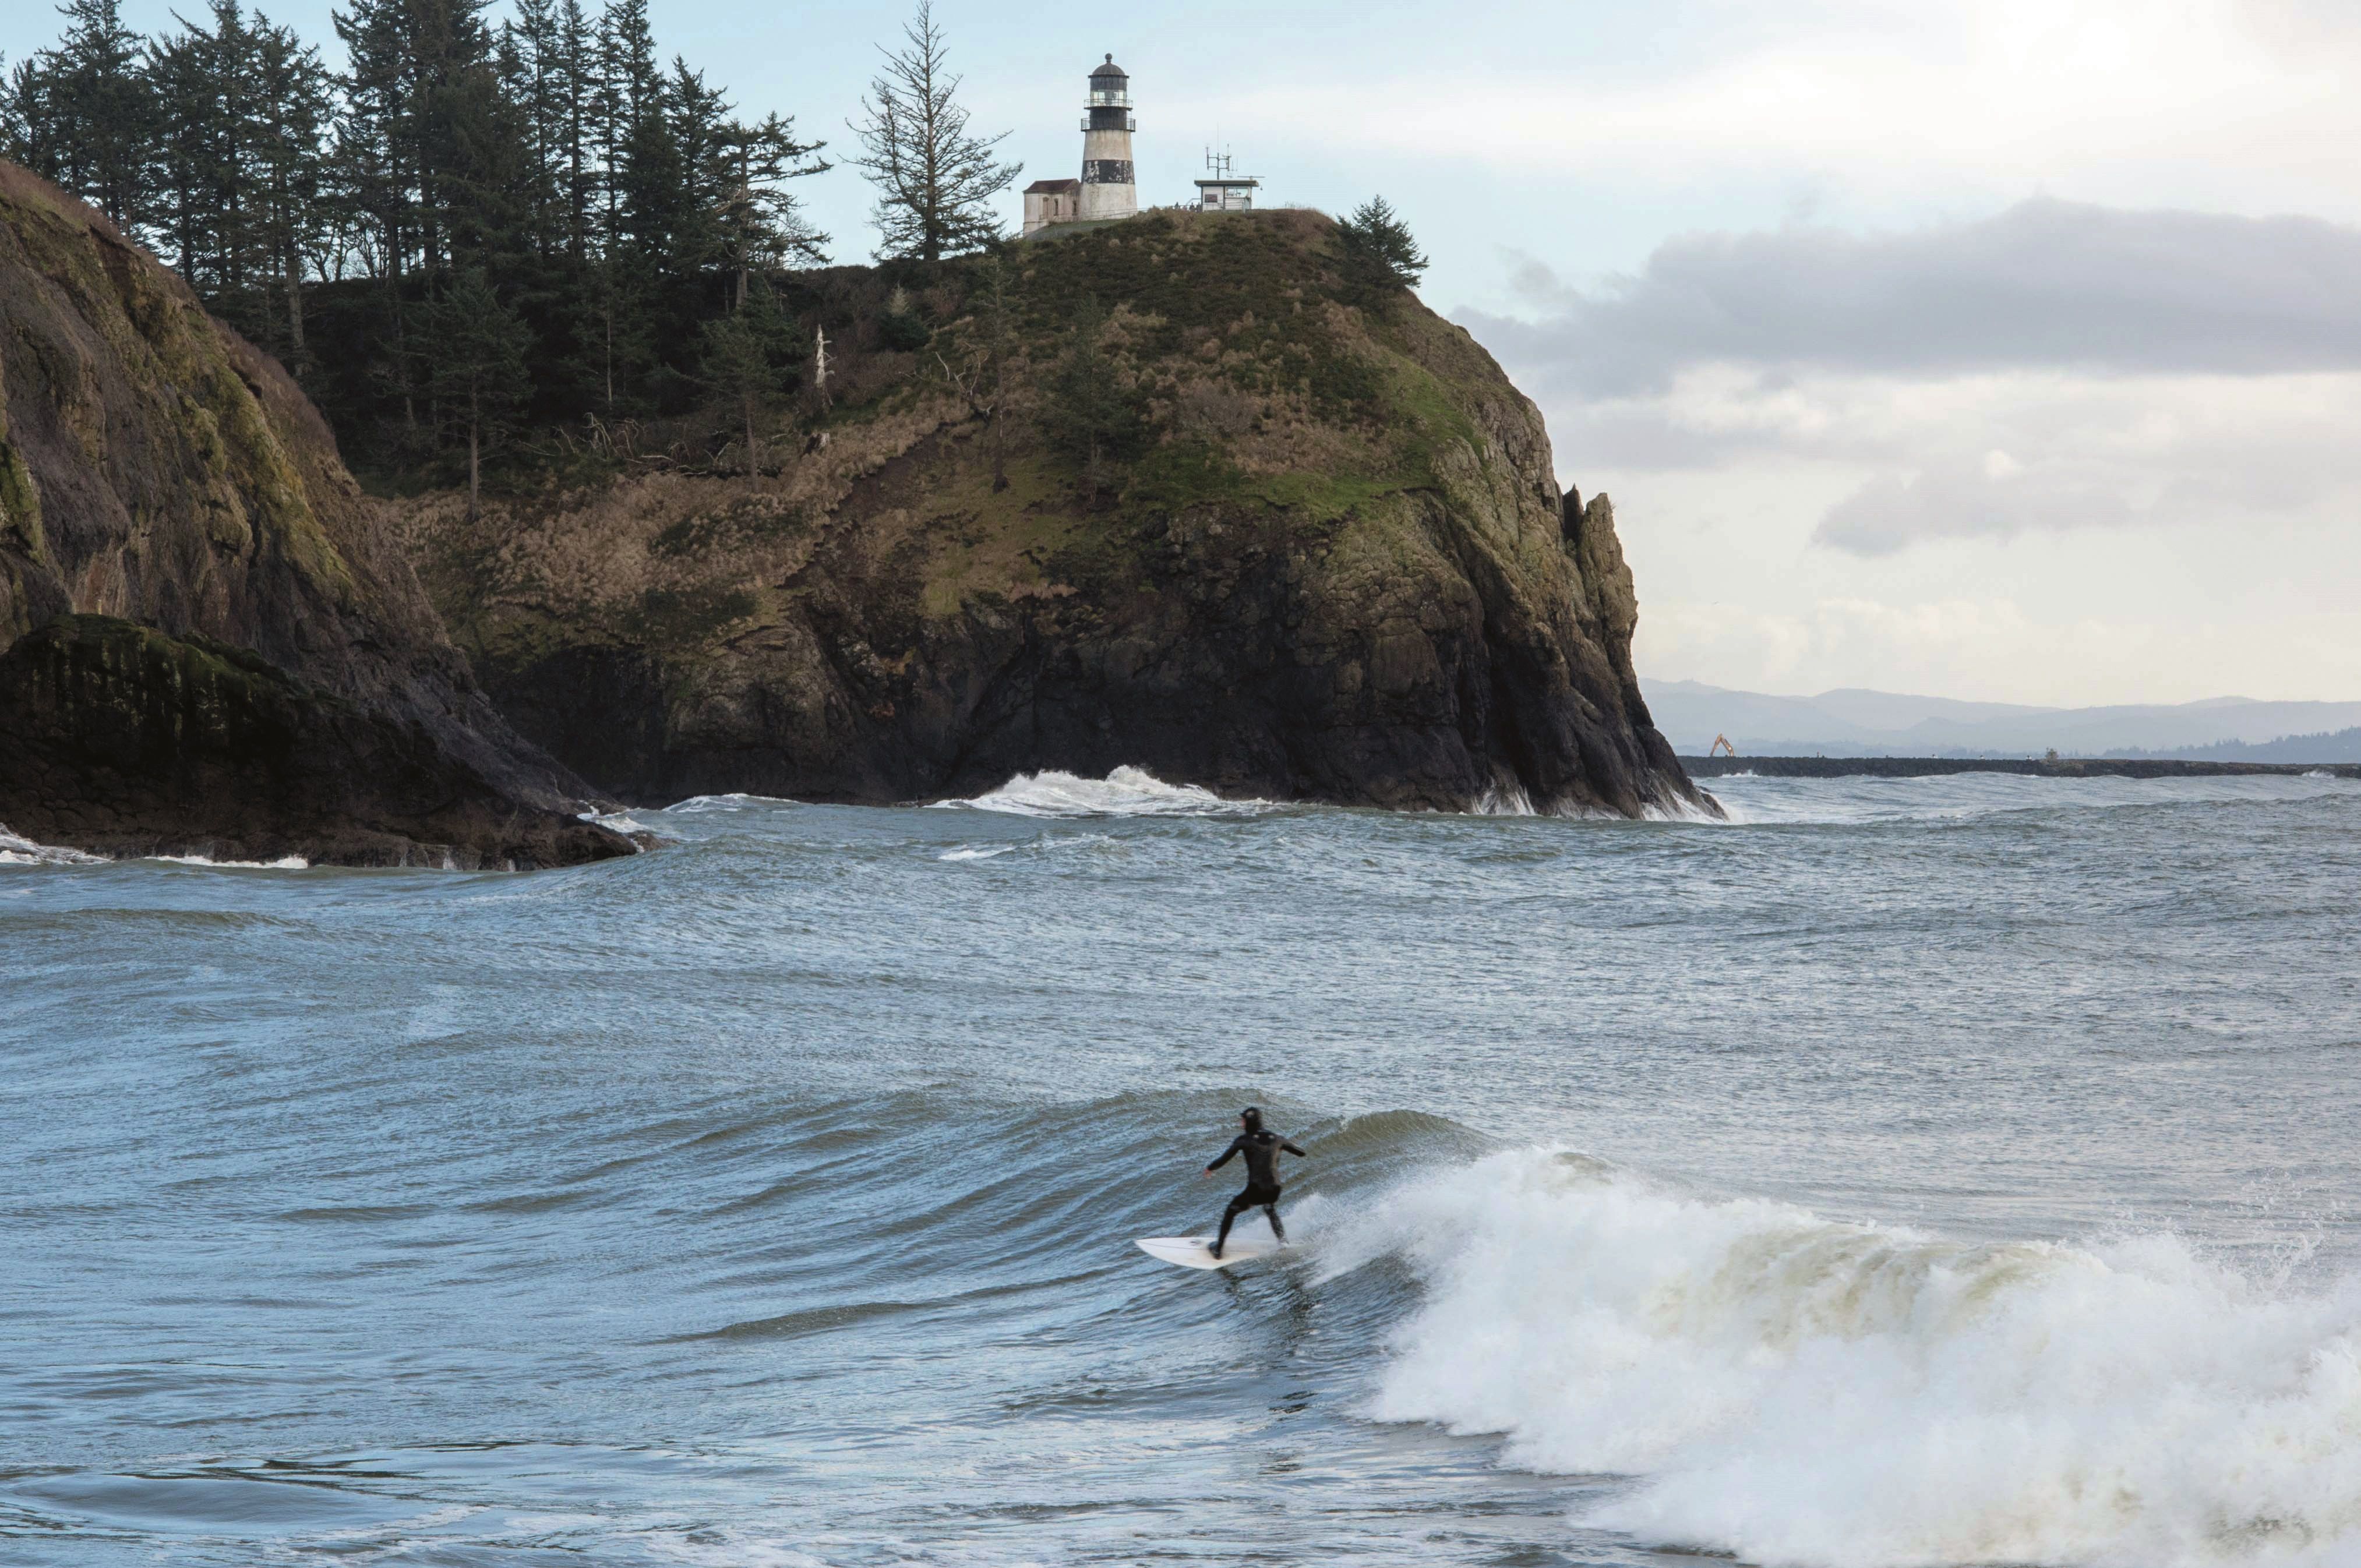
1261	1149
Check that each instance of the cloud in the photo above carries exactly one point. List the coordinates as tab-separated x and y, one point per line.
2046	283
1962	501
2057	368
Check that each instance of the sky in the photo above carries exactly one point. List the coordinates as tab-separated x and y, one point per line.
1999	349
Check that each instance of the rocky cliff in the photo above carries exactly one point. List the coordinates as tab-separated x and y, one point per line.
1327	559
208	641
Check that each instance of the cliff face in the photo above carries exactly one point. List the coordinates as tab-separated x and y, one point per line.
1333	565
245	666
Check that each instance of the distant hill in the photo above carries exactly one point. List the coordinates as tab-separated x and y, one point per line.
2341	746
1857	723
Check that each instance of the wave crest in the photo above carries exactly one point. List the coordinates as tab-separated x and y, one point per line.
18	850
1797	1391
1126	791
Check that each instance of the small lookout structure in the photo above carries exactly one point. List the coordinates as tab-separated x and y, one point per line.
1222	190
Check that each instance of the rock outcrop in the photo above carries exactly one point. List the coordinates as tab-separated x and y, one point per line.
1333	565
208	641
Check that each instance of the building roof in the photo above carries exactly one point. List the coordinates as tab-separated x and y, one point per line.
1050	187
1110	68
1231	179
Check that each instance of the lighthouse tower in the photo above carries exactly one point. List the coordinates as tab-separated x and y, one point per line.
1107	187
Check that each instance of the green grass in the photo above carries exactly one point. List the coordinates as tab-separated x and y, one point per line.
686	619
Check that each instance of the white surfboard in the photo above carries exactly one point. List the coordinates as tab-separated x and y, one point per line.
1197	1252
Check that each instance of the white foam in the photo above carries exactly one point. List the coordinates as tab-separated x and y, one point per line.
737	802
1126	791
284	863
1796	1391
1756	800
1505	799
973	852
16	850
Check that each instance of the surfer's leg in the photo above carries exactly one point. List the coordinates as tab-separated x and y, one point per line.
1239	1205
1267	1199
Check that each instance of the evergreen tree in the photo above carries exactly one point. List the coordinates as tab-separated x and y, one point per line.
371	170
16	122
577	86
1379	253
991	344
607	207
490	181
293	112
237	176
1092	414
475	350
935	182
533	77
85	116
759	223
743	356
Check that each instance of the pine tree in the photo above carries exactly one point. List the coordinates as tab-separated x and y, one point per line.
17	112
577	86
742	356
1379	253
372	172
935	182
489	180
981	379
89	116
1092	414
290	129
758	223
477	352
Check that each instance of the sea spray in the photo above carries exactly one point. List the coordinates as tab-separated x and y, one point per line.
1798	1391
1126	791
17	851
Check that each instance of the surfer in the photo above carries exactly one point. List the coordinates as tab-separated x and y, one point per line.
1261	1149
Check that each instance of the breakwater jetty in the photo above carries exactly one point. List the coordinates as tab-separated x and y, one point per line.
2040	767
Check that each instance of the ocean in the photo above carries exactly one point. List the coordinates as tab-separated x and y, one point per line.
1934	1171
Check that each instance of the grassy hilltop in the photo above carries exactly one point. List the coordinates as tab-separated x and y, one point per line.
1323	553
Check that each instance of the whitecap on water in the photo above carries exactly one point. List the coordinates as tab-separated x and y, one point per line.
284	863
1793	1389
735	802
1126	791
16	850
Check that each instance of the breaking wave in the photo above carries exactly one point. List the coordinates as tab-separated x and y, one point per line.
1126	791
16	850
696	804
1798	1391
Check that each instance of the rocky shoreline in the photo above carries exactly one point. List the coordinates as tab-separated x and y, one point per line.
208	641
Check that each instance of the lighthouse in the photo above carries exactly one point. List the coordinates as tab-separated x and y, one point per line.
1107	187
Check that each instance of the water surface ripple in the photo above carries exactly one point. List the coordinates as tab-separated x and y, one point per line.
1907	1172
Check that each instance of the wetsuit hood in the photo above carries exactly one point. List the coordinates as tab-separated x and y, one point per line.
1252	1117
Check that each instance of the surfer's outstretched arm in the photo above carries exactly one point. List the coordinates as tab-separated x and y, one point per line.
1289	1148
1235	1144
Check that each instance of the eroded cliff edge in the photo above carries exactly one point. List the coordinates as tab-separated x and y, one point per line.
1335	565
208	641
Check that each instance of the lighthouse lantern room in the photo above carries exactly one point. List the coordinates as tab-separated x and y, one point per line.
1108	190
